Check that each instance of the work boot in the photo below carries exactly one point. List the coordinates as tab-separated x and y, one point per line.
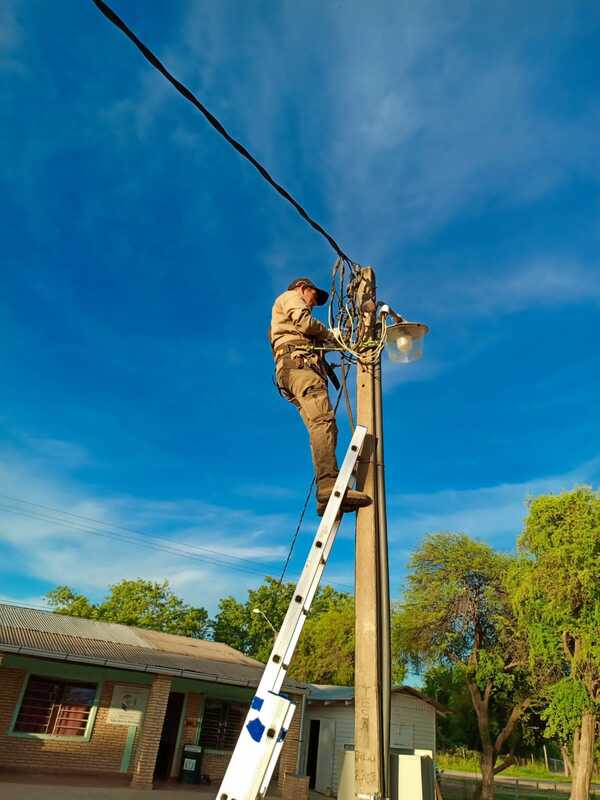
352	500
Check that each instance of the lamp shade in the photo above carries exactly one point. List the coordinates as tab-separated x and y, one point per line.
405	341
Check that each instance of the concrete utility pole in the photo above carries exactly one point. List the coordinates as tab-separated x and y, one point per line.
373	659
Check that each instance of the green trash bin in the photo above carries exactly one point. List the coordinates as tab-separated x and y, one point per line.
190	765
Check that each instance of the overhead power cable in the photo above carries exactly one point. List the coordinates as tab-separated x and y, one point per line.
140	540
58	515
243	151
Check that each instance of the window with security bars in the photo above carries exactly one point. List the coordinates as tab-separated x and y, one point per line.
55	707
221	724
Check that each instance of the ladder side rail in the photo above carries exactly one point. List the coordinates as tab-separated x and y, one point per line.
321	545
263	732
293	623
276	753
298	629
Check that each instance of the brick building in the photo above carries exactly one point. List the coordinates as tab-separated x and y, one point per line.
80	696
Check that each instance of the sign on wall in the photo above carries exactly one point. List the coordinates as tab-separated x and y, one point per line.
127	705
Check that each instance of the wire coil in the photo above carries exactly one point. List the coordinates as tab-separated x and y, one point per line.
347	319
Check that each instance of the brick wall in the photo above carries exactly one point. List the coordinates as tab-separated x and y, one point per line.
289	752
295	787
215	764
149	736
102	753
193	715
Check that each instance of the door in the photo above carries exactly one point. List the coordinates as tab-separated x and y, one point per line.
168	736
313	750
325	753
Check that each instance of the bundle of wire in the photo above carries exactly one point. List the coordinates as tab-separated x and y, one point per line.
347	319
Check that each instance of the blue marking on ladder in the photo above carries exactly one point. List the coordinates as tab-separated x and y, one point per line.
256	729
257	703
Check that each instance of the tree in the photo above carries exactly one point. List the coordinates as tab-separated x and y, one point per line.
456	612
446	684
556	598
143	604
64	600
325	652
237	625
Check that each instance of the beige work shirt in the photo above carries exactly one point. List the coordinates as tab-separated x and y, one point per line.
291	321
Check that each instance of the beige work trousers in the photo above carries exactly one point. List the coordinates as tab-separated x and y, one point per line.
307	390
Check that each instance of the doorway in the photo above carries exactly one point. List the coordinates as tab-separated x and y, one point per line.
321	748
168	736
313	750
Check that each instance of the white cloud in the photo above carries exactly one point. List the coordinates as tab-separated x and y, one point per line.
543	283
195	545
493	513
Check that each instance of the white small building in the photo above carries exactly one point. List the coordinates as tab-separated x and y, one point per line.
328	730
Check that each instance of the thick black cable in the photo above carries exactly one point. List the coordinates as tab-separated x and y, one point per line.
182	89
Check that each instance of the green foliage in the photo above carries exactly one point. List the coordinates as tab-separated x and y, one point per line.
143	604
455	608
63	600
456	615
325	652
237	625
447	686
556	596
568	701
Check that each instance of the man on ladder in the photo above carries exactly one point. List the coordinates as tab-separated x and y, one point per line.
301	376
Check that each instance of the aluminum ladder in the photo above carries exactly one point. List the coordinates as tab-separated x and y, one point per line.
259	744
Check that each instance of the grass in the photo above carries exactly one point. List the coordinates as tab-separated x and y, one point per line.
470	763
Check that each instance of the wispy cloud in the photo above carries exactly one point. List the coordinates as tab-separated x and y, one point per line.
490	512
542	283
92	542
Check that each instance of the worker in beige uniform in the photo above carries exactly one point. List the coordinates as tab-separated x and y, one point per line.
302	378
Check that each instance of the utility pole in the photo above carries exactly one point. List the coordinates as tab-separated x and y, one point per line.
372	668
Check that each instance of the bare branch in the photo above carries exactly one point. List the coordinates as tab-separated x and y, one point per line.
507	730
508	762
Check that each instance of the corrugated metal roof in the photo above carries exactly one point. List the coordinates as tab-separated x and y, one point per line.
32	619
49	635
321	693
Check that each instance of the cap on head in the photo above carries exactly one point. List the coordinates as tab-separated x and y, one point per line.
322	295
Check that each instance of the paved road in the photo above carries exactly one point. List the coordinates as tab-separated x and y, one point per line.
50	787
543	783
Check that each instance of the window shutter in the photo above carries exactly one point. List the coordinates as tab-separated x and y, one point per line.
55	707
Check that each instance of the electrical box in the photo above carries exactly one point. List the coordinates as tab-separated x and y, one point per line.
411	776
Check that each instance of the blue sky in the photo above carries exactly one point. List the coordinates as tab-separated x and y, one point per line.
454	148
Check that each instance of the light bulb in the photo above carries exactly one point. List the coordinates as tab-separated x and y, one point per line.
404	343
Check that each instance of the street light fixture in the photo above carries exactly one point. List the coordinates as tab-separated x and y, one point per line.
404	340
266	619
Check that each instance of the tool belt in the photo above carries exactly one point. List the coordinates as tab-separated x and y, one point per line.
305	356
297	345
